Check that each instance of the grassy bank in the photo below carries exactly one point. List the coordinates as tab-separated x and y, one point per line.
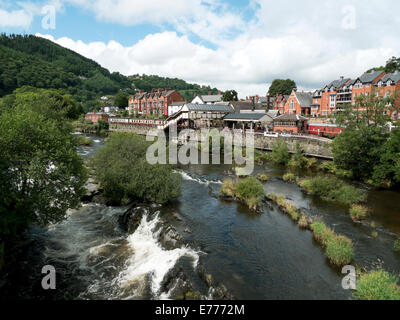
249	190
377	285
338	249
332	189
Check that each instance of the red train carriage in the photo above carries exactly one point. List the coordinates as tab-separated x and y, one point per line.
320	129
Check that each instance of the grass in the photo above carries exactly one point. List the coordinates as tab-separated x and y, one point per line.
303	222
375	234
228	188
339	250
377	285
358	212
322	234
262	177
248	190
289	177
332	189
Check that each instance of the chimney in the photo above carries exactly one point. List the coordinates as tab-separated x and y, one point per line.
341	78
195	94
209	93
254	106
152	90
159	90
219	92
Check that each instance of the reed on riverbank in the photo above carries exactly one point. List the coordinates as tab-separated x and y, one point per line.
377	285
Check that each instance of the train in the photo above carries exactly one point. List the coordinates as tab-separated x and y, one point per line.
323	129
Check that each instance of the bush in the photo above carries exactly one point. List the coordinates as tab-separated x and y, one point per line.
262	157
332	189
250	191
298	160
358	212
339	250
377	285
311	163
303	221
375	234
289	177
280	152
124	173
228	188
262	177
83	141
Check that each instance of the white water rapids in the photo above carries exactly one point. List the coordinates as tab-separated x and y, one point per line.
115	265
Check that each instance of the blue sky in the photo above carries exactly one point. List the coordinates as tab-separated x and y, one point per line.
242	44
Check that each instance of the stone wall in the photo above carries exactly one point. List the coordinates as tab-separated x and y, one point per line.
312	146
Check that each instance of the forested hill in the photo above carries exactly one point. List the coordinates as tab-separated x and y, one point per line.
37	62
41	63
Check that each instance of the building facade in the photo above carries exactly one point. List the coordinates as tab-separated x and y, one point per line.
154	103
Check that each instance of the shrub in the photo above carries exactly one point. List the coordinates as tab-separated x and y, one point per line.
83	141
298	160
377	285
328	166
280	152
250	191
311	163
358	212
332	189
124	173
262	177
289	177
228	188
396	246
339	250
375	234
303	221
262	157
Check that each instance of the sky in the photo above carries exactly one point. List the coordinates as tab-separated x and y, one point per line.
240	44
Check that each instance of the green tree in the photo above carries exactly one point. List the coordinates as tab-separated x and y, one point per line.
360	146
230	95
41	175
125	175
280	152
121	99
280	86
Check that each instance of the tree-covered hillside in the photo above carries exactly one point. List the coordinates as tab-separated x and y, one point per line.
33	61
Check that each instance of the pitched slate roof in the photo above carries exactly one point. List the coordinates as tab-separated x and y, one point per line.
368	77
245	105
290	117
245	116
209	107
392	76
304	98
273	113
212	98
178	103
338	83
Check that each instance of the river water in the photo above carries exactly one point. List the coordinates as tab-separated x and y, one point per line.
254	256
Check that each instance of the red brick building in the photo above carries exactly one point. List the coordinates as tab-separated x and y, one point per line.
279	103
96	116
155	102
298	103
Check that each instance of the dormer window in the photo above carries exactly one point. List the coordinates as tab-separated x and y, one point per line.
389	83
380	84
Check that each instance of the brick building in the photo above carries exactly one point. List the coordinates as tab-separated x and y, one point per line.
96	116
155	102
298	103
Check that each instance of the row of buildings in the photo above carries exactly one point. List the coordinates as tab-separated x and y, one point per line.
342	91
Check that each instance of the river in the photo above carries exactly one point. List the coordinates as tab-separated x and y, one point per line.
254	256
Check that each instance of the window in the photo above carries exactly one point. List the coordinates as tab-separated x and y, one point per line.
292	107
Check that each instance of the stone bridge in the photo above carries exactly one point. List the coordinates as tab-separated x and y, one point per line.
313	146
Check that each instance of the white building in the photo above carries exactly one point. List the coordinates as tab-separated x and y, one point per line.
208	99
175	107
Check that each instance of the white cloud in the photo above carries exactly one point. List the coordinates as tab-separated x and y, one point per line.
25	14
15	18
304	42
